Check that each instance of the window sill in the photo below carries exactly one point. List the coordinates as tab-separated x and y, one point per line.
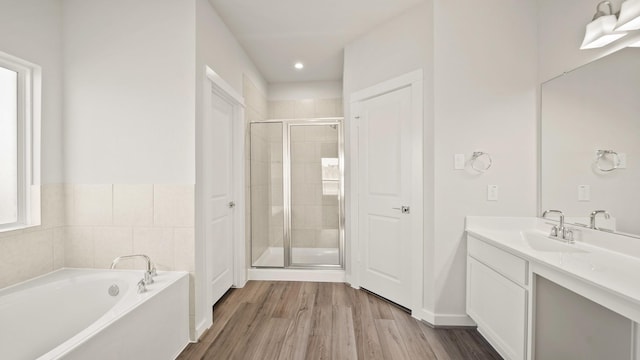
16	227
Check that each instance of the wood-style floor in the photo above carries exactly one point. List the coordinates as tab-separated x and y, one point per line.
303	320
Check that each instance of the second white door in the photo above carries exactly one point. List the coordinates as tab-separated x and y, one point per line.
218	192
384	150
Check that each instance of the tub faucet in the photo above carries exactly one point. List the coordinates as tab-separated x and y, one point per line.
559	230
148	274
593	218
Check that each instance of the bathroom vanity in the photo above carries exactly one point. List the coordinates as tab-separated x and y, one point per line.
537	297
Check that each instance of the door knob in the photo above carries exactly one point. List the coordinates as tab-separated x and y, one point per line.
232	204
404	209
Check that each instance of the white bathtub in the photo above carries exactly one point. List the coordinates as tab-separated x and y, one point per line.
69	314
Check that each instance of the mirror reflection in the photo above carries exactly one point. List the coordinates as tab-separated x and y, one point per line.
590	144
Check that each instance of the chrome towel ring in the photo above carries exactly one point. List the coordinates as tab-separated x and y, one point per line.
480	161
604	157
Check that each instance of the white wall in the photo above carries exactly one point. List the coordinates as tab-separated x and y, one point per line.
485	99
32	30
129	70
397	47
480	94
560	34
217	48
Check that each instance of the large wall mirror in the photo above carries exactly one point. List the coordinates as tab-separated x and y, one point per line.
590	143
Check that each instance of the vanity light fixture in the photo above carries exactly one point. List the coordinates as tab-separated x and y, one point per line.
601	30
629	18
298	65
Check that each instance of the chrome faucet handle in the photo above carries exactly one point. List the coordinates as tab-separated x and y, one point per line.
567	234
148	278
142	287
554	231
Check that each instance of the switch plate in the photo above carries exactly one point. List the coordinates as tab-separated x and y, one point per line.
584	193
458	161
492	192
623	161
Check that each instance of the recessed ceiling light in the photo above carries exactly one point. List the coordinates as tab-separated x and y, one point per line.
298	65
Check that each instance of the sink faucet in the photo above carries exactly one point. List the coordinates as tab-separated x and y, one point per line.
593	218
148	274
559	230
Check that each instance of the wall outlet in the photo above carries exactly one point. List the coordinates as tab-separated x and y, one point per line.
584	193
492	192
458	161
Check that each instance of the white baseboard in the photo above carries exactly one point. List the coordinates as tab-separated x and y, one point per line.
462	320
297	275
203	326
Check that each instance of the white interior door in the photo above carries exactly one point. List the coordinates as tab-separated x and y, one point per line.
218	192
384	150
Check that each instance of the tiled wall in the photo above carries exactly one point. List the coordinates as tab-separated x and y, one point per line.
305	109
106	221
314	213
314	197
35	251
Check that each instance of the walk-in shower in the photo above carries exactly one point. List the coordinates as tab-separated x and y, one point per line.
297	193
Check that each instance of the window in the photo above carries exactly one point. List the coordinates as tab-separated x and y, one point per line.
330	176
19	143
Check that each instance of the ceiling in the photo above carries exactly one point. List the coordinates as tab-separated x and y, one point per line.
278	33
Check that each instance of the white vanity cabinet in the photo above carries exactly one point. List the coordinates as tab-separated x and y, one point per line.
497	296
536	298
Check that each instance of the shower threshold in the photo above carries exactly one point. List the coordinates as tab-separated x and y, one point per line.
274	257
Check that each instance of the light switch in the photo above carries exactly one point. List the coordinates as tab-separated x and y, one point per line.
458	161
584	193
492	192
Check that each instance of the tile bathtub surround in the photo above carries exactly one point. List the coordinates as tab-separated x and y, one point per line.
35	251
89	225
106	221
109	220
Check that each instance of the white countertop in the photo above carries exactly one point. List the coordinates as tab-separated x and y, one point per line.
611	269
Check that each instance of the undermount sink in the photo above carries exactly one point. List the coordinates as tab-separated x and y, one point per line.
540	242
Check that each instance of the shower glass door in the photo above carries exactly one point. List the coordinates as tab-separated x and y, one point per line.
296	193
315	196
267	202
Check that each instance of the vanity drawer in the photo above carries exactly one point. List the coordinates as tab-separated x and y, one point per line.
501	261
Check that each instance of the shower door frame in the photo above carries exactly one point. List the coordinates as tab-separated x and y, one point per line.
286	190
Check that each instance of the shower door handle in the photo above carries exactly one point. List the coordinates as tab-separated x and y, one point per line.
232	204
404	209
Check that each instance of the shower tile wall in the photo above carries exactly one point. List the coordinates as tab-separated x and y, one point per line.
305	109
255	110
314	186
314	213
266	174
